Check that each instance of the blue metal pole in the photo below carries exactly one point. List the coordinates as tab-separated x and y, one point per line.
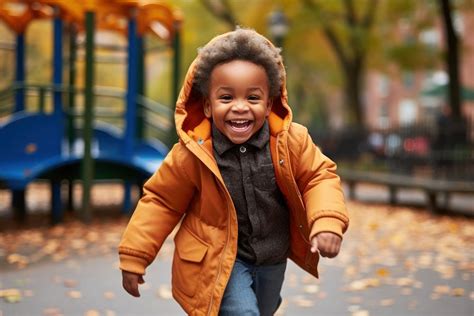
140	86
20	72
56	204
87	165
131	102
71	133
131	106
57	63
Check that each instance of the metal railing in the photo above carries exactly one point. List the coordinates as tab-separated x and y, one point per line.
419	150
110	106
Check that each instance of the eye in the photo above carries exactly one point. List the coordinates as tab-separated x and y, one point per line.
254	97
225	97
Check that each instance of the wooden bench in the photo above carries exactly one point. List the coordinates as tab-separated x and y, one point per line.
394	181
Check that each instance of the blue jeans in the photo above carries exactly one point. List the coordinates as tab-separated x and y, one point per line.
253	290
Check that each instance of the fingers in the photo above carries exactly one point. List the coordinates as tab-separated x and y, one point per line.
131	287
314	245
330	252
130	283
329	244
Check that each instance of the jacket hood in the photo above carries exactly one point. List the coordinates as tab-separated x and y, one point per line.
192	124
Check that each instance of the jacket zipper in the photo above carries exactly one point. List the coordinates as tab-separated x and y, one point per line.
226	242
220	260
293	189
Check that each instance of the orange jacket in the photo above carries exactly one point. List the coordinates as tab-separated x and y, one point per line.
189	186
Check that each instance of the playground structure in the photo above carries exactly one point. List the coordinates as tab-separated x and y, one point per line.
72	142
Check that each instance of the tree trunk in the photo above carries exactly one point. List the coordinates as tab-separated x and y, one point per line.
352	89
451	59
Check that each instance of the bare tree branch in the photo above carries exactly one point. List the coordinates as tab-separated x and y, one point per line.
329	33
365	25
369	16
353	27
350	53
336	45
315	8
222	10
350	13
228	13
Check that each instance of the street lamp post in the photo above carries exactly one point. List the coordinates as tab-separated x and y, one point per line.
278	26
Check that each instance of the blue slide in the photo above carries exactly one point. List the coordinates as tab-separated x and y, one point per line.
33	147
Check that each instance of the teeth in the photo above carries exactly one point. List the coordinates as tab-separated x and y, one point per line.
239	121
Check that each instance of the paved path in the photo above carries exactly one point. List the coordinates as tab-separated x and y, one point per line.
357	283
84	285
394	261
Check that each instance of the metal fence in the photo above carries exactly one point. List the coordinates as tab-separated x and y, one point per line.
443	149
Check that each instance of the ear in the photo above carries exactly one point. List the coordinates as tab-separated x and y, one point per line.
207	108
269	107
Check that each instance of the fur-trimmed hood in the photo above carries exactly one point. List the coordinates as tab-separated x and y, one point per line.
192	124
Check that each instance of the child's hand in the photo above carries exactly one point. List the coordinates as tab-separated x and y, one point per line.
130	282
328	244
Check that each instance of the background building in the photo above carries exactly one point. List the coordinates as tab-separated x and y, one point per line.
397	98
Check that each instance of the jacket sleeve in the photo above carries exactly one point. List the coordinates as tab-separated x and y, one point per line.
320	188
166	196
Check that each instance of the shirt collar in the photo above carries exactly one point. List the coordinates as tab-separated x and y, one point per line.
221	143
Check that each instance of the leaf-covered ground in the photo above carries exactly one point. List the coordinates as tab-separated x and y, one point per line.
394	261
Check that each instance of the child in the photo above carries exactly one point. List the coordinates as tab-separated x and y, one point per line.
249	187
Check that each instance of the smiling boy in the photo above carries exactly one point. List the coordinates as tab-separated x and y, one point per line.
250	186
238	103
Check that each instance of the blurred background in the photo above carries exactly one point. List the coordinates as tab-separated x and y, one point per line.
385	87
392	78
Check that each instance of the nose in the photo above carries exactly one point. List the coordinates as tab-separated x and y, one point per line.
240	106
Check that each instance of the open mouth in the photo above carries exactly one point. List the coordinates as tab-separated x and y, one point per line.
239	125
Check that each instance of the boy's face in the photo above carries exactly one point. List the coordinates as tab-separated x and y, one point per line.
238	99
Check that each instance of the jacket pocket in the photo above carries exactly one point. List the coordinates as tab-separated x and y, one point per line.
187	261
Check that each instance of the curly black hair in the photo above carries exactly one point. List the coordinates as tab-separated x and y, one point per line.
241	44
